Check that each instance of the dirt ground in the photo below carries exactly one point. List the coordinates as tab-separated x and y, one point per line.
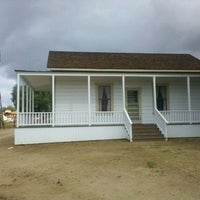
109	170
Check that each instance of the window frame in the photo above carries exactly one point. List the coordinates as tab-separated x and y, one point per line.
167	95
98	85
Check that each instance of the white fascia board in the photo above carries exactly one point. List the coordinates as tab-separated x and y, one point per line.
100	74
122	70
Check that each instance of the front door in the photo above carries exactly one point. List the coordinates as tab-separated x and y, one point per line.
133	104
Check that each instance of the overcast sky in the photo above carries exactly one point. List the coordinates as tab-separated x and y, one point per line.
30	28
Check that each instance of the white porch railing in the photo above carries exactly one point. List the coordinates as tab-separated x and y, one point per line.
163	118
110	117
70	118
76	118
35	119
161	122
182	116
128	124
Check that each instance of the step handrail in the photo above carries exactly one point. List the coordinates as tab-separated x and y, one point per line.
128	124
161	122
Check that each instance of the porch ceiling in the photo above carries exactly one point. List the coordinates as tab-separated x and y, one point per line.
38	83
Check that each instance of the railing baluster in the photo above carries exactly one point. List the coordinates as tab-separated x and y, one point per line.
97	117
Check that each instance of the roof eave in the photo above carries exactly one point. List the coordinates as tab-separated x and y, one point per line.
121	70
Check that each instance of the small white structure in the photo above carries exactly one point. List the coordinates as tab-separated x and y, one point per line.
97	96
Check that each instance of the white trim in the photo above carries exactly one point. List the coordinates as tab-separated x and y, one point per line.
18	98
46	73
27	98
30	99
188	93
189	96
53	99
33	100
117	70
89	102
22	98
123	92
154	92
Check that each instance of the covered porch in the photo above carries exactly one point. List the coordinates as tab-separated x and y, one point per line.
76	104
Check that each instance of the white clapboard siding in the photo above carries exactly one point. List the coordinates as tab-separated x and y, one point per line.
71	94
178	94
116	96
68	134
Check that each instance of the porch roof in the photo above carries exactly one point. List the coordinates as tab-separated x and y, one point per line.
84	61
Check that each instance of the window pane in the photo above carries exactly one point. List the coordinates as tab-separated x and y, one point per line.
132	96
161	97
104	98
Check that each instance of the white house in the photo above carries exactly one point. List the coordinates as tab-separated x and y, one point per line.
97	96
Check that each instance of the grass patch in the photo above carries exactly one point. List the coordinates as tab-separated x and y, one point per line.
151	164
160	171
9	124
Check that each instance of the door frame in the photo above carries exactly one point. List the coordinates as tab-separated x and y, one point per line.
139	101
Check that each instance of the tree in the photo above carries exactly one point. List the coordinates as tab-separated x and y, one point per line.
14	95
12	108
42	100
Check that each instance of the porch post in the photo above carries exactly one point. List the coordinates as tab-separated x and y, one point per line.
22	98
53	108
26	98
154	92
18	98
189	98
89	102
123	92
32	100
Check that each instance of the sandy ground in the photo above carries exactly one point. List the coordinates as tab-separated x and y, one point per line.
99	170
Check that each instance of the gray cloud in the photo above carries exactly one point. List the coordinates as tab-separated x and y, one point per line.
29	29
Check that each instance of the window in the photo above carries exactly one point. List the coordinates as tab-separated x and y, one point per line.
104	98
161	97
